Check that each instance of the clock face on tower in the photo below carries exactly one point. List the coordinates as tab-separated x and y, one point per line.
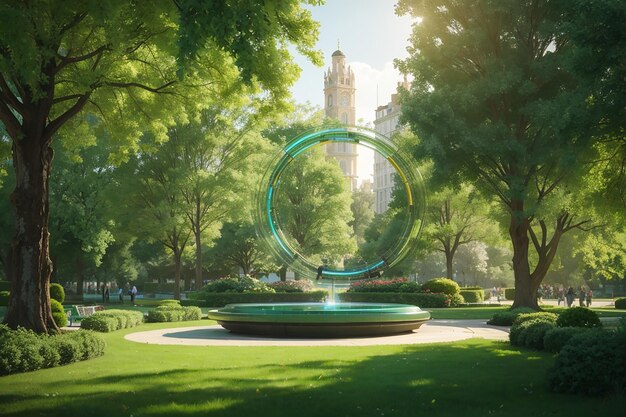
344	101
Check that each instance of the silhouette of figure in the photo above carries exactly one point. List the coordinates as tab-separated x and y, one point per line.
320	270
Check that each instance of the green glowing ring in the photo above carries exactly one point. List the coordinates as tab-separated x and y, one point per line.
267	223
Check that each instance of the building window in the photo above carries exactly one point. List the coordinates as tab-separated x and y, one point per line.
344	118
330	100
342	164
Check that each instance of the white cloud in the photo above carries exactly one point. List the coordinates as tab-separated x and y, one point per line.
374	87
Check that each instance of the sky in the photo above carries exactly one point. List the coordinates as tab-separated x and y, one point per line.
371	36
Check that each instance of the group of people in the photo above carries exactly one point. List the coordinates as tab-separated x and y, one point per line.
120	293
585	296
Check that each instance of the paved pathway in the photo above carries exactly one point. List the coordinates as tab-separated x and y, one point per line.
431	332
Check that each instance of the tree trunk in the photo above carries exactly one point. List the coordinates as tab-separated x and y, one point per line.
282	273
525	288
31	267
177	262
449	258
199	281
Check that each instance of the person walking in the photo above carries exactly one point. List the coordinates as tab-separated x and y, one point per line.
133	294
581	297
569	296
120	294
589	297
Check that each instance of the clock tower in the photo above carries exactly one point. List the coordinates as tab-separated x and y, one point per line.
339	103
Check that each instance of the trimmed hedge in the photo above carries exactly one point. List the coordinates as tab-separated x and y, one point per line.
111	320
506	318
302	285
509	294
541	315
221	299
155	287
441	285
578	317
424	300
57	292
172	312
620	303
591	363
385	285
556	338
23	350
473	295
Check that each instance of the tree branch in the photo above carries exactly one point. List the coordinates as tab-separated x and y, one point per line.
55	124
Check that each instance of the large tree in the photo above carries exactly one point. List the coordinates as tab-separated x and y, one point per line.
122	62
494	101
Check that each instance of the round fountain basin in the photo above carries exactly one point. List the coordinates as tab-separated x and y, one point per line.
320	320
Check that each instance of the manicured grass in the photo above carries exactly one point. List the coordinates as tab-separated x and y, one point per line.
462	313
470	378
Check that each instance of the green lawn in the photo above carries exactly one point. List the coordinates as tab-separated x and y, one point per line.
470	378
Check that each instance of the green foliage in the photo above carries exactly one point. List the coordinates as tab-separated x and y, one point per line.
473	296
111	320
58	313
578	317
292	286
506	318
57	292
422	300
530	333
541	315
4	298
591	363
442	285
237	284
168	303
556	338
22	350
169	313
620	303
208	299
157	287
509	294
384	285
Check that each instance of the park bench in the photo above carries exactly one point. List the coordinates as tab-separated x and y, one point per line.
78	312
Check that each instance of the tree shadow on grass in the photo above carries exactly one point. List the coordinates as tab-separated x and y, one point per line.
473	378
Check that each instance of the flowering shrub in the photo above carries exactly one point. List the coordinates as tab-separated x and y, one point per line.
303	285
385	285
245	284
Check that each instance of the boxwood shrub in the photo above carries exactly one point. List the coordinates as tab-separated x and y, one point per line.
473	295
535	332
205	299
591	363
556	338
57	292
169	313
542	315
506	318
520	331
58	313
110	320
23	350
620	303
441	285
578	317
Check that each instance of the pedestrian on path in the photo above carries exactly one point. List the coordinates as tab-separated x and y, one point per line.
570	296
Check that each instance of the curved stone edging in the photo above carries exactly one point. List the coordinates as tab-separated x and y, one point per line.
434	331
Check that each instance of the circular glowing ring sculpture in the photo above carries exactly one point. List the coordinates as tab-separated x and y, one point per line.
268	225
